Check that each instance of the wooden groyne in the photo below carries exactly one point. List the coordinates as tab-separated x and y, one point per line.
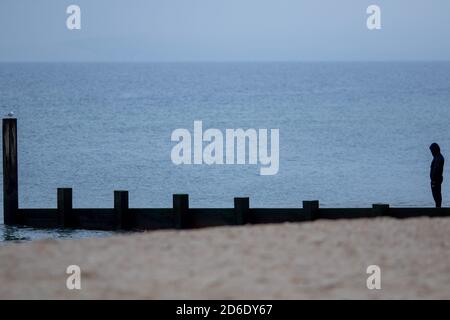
180	216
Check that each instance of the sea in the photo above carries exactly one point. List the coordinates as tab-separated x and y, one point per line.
350	133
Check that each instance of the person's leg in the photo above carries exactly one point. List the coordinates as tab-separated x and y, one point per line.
437	196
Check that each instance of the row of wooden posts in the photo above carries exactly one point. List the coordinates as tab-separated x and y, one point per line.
180	216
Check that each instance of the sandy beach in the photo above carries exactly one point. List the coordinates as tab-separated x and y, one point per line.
317	260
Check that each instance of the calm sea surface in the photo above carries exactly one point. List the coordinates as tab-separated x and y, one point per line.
351	134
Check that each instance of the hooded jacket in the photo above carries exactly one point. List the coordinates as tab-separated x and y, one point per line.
437	165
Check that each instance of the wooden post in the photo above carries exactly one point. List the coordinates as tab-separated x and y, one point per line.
242	210
380	209
311	209
180	210
121	210
10	175
64	199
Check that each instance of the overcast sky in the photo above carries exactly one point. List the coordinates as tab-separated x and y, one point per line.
224	30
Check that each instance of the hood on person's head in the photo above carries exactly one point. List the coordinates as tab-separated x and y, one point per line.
435	149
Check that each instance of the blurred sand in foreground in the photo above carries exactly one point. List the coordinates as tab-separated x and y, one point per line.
323	259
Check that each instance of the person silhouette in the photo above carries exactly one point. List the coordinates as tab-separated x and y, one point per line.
436	173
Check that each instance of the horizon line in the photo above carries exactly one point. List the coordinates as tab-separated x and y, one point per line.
224	61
